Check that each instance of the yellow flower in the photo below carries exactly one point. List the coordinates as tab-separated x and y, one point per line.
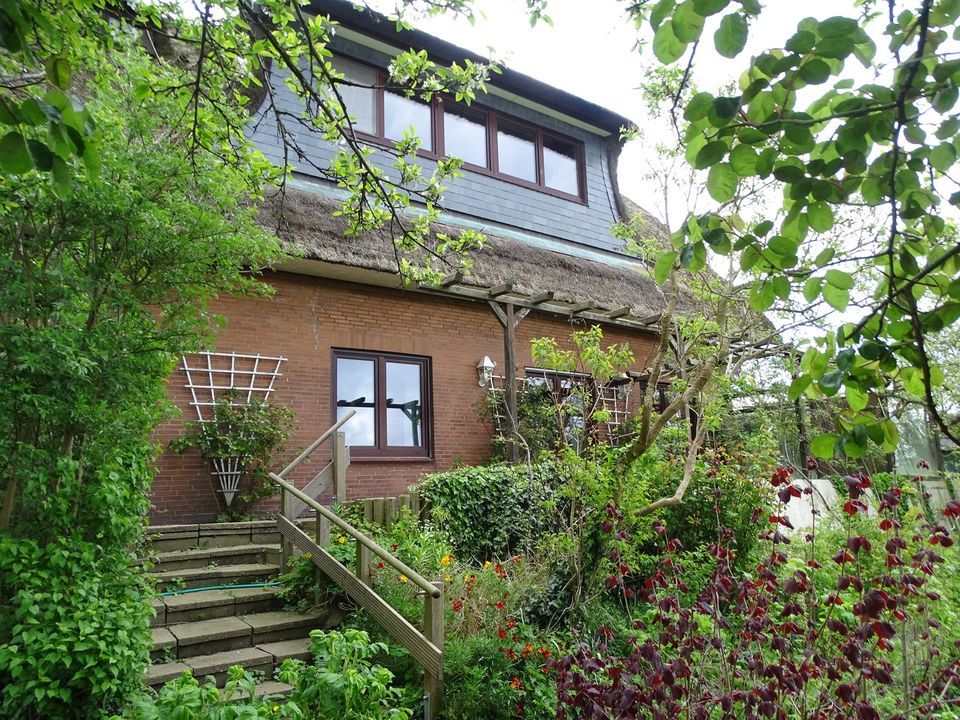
446	560
487	564
447	578
276	708
308	556
341	539
403	578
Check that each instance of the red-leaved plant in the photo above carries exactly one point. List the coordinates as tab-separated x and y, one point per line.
774	645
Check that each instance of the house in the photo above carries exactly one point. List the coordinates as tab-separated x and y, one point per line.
343	332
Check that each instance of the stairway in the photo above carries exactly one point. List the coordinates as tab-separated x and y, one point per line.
209	631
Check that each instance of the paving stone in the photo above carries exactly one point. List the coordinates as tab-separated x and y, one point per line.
210	636
280	625
217	664
164	672
298	649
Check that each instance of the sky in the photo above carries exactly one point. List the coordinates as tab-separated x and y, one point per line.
590	52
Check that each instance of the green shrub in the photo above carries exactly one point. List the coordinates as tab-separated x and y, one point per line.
74	629
343	681
489	511
187	699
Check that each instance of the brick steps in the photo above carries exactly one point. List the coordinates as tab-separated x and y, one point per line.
207	632
263	658
205	557
218	575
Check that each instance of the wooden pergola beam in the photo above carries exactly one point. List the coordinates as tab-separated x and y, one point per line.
581	307
501	289
619	312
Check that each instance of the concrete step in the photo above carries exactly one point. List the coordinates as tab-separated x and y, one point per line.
208	604
214	556
168	538
220	575
298	649
216	666
218	635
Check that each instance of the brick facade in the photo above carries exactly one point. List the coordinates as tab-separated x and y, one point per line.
306	317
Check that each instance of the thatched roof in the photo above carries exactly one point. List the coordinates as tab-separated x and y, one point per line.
305	221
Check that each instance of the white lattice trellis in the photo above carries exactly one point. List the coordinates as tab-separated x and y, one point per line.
614	398
242	378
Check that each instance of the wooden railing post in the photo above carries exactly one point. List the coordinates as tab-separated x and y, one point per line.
433	631
363	565
340	467
286	547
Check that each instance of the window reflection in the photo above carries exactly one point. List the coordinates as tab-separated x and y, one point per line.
361	102
400	113
356	391
560	165
516	151
404	406
465	135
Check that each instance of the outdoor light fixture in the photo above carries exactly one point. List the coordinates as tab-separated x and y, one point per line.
485	370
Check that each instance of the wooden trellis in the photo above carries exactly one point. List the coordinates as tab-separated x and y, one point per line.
241	379
614	398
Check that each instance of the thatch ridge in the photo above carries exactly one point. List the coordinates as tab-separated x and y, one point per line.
305	221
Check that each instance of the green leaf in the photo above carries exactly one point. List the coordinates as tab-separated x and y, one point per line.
811	289
14	154
660	12
823	446
839	27
743	160
711	154
943	156
838	298
798	386
709	7
814	72
698	107
912	380
666	46
731	37
58	71
762	296
722	183
820	216
839	279
42	157
661	271
687	22
856	398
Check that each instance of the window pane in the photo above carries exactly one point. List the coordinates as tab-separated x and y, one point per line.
404	405
400	113
560	165
516	151
465	135
361	102
355	391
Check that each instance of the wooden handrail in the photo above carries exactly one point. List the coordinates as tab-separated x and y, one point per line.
315	444
384	555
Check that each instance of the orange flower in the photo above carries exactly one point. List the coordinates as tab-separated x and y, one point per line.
446	560
515	683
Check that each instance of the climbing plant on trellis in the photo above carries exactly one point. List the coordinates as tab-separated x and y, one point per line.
242	379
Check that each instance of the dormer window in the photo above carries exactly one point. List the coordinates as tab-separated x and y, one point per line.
361	98
487	142
465	135
400	113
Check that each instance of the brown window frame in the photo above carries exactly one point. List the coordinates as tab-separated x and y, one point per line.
437	150
380	450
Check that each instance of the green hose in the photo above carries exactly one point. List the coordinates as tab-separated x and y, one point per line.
246	586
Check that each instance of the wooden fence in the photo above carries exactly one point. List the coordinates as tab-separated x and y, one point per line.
425	645
385	510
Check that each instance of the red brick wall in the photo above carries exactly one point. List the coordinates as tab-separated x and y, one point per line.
307	317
